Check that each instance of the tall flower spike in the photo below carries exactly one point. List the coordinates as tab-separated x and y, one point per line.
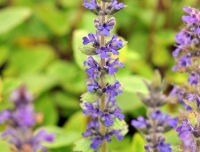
157	122
20	121
187	56
99	102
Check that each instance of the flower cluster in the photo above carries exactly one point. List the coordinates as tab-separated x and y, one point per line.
102	64
157	122
20	121
187	56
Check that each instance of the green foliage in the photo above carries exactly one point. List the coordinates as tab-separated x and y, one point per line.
45	105
41	46
83	145
5	147
77	43
11	17
107	78
55	20
138	143
172	137
128	100
120	125
63	138
90	96
191	104
76	123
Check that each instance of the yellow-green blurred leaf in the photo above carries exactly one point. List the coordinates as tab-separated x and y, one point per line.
83	145
138	143
77	42
23	62
12	16
4	51
5	147
62	138
45	105
56	20
77	122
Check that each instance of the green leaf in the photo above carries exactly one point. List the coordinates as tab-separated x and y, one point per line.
62	138
172	137
77	123
23	62
65	100
61	149
120	145
88	50
68	75
134	84
77	42
5	147
129	100
90	96
39	83
46	106
1	89
107	78
120	125
4	54
9	84
176	149
53	18
191	104
12	17
138	143
156	79
83	145
70	3
193	117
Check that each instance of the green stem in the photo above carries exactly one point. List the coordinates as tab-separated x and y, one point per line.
103	98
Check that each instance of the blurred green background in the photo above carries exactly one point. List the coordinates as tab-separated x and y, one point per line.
39	42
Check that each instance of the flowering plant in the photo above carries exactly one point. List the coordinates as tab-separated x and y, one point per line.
21	120
157	122
102	64
186	55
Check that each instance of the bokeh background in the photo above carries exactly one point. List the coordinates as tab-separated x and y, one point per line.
39	42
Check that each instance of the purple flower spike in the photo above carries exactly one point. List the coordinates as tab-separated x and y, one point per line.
185	60
103	52
90	109
193	79
5	115
90	39
115	5
118	113
112	65
187	9
190	19
197	31
162	147
25	117
176	52
185	133
21	96
107	118
104	29
141	123
114	89
93	86
21	120
102	64
92	5
172	122
96	142
93	69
